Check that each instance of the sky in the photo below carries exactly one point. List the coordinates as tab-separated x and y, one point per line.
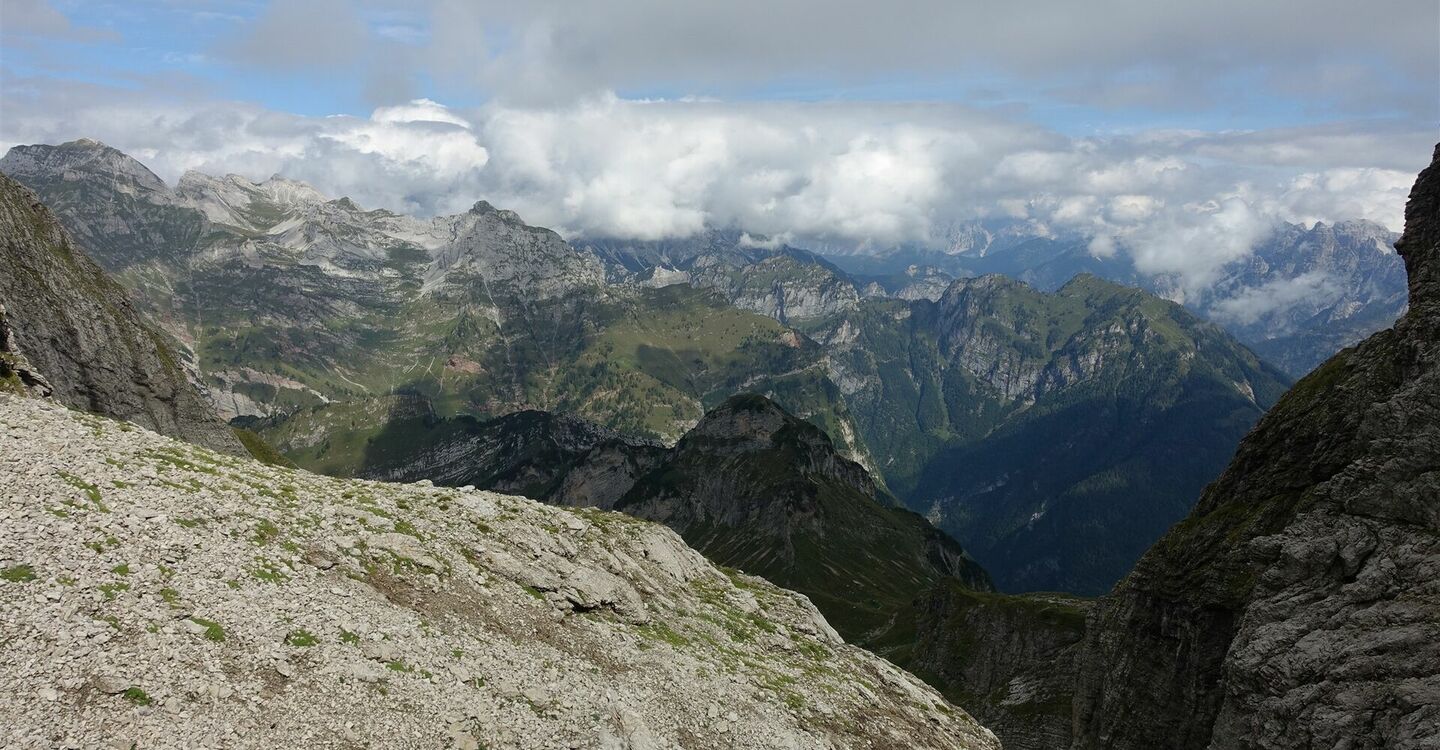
1180	133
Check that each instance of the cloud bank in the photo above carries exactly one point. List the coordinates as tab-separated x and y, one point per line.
1338	55
857	174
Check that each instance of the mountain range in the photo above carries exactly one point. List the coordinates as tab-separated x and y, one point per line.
1030	425
1301	294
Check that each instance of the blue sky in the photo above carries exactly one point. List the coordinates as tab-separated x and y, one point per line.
216	48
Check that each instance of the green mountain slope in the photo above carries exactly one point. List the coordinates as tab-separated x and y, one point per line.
1054	434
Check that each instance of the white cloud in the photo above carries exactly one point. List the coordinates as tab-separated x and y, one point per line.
864	174
1375	58
419	110
1251	304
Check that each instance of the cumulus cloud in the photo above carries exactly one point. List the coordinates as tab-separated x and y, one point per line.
1180	204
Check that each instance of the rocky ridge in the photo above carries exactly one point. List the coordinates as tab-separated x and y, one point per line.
160	594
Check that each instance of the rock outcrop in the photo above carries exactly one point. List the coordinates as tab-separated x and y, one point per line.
153	593
17	375
1298	606
530	453
78	329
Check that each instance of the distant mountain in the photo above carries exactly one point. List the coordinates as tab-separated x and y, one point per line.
1056	435
783	282
1299	297
1307	293
756	488
1296	606
68	331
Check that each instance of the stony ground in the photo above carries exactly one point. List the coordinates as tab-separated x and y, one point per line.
157	595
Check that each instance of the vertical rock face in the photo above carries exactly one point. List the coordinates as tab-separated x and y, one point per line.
78	329
1299	604
1009	660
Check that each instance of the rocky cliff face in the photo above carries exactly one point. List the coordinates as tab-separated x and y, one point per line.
528	453
159	594
17	375
1296	606
78	329
1009	660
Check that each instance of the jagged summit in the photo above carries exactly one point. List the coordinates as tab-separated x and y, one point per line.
484	208
235	200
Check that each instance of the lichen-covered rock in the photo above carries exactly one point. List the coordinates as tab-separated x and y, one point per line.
78	329
1299	604
157	594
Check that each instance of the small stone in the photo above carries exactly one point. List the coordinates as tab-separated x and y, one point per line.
111	685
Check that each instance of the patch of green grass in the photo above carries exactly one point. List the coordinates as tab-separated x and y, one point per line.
18	574
112	590
301	638
260	450
269	574
349	638
172	457
661	631
398	666
536	593
170	596
405	527
213	630
265	532
91	491
123	569
137	696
